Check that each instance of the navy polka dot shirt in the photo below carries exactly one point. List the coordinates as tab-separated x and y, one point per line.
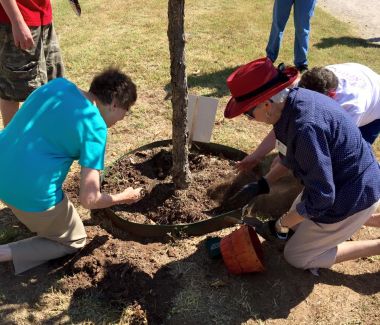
325	149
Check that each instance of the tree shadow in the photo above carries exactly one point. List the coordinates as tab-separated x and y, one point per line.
214	83
328	42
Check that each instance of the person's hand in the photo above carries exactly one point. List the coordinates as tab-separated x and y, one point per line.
247	163
279	227
276	160
269	231
132	195
248	192
22	36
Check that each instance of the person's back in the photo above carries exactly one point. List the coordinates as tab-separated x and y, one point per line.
337	158
358	91
55	125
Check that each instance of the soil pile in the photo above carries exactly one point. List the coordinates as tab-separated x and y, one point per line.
162	204
122	273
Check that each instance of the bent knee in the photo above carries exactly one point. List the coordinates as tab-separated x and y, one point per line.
80	243
297	259
74	245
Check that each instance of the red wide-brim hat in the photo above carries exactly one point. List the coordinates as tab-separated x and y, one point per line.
256	82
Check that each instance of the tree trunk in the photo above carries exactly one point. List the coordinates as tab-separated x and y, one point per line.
176	35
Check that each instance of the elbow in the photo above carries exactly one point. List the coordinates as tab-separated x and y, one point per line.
88	202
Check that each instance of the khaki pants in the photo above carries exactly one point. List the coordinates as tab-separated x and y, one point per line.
314	245
60	231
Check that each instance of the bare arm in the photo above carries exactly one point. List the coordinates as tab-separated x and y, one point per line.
266	146
291	219
21	33
276	172
91	197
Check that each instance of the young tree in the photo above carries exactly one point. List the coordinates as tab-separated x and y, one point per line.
176	35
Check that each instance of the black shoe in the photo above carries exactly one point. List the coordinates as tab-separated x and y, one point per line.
302	68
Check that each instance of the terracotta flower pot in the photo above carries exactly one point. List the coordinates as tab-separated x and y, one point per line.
241	251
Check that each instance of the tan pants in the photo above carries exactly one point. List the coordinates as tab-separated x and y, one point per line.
314	245
60	231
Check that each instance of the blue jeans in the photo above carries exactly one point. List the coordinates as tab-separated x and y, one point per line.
303	11
370	131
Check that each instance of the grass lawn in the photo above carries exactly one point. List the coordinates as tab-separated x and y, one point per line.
221	35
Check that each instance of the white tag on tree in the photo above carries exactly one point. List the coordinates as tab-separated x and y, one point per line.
201	117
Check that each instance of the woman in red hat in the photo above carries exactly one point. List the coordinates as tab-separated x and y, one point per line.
325	150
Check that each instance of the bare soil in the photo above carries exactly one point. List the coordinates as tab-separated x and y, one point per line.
213	182
120	278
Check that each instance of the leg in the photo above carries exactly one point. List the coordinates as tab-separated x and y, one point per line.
303	11
281	12
53	67
352	250
8	110
373	221
321	245
5	253
19	71
60	231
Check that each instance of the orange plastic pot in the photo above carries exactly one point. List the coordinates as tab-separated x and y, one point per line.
241	251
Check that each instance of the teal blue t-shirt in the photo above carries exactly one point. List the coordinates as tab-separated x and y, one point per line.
55	126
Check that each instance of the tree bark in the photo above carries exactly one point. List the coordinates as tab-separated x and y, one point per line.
176	35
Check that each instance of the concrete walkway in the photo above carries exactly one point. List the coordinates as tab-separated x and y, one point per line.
363	15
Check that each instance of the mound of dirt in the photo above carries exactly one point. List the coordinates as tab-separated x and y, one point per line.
122	273
162	204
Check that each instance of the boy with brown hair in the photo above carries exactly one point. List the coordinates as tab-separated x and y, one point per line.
60	123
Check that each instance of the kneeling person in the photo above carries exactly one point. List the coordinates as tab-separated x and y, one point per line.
59	123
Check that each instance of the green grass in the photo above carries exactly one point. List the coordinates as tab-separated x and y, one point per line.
221	35
8	235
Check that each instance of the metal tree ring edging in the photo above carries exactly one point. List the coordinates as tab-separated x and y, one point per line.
218	222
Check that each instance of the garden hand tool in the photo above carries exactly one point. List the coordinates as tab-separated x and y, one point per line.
265	229
247	193
76	7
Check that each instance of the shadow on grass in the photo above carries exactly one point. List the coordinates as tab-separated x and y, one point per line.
210	295
191	290
213	82
347	41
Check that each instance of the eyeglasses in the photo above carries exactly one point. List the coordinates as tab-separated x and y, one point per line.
250	114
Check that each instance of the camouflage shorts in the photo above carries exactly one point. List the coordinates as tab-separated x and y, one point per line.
22	71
